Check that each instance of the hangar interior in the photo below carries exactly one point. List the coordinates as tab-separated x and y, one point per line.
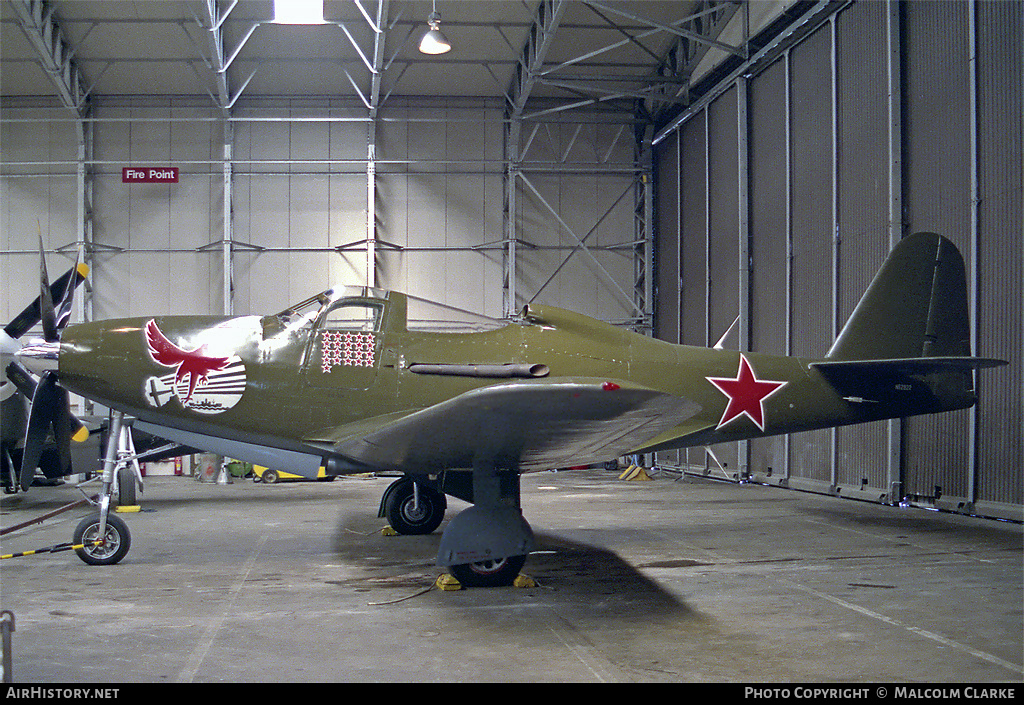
705	172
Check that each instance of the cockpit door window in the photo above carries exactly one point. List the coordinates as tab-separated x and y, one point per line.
343	350
354	316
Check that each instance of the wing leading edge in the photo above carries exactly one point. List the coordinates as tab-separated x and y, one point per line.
530	424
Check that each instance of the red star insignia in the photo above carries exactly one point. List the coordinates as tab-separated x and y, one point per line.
746	394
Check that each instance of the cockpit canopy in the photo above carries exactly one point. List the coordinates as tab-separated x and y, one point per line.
361	308
358	308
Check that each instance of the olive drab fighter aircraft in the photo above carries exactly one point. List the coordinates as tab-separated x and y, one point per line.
339	381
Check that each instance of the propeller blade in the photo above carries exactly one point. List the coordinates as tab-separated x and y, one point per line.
40	417
51	404
48	315
21	323
21	378
66	428
66	299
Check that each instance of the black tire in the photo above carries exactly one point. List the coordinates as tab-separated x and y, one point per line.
497	573
406	517
115	547
126	496
270	476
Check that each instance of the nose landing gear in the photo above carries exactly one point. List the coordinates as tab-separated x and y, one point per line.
105	537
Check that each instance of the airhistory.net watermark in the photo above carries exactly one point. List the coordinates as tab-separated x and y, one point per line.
49	693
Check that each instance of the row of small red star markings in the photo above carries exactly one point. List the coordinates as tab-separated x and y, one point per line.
347	348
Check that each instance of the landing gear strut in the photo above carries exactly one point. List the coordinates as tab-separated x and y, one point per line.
486	545
105	537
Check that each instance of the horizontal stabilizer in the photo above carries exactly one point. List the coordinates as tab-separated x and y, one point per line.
912	365
905	386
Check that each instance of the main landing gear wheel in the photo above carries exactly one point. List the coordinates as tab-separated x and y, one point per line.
496	573
409	514
114	543
126	495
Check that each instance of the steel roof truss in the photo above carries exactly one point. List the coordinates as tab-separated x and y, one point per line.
44	33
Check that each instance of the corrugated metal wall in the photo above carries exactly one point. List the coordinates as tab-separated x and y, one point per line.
667	201
937	197
813	227
723	242
862	208
769	242
827	200
439	196
290	201
1001	224
562	204
694	229
43	192
693	248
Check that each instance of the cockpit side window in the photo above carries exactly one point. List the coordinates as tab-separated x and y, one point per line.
354	315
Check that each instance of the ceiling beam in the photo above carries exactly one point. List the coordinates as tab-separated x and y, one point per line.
707	21
674	28
56	56
377	59
212	22
538	42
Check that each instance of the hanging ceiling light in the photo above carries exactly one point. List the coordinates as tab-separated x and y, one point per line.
434	41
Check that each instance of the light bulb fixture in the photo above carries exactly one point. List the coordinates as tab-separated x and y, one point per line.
434	41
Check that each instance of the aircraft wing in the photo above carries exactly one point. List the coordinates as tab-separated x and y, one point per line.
537	424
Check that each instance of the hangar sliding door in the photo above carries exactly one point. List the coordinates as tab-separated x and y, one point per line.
862	212
883	120
769	240
1000	251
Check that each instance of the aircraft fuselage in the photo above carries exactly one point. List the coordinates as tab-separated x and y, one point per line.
293	383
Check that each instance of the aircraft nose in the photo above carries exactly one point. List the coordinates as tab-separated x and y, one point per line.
39	356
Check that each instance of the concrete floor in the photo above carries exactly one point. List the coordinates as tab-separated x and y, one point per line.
668	580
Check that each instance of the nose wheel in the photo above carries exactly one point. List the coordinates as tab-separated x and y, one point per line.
102	545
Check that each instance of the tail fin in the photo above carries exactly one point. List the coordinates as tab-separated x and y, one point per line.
916	306
906	348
